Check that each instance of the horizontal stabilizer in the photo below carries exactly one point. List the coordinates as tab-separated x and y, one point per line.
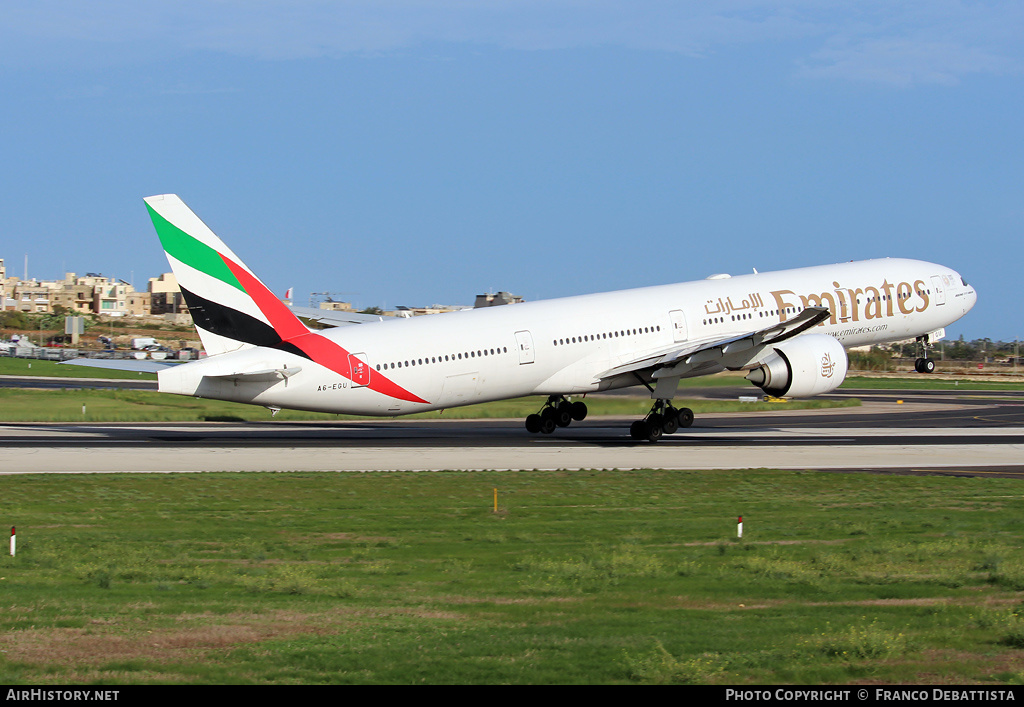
266	374
123	364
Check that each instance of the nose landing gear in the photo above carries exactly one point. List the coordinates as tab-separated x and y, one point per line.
924	364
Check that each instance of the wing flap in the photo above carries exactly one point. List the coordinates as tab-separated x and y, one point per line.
680	360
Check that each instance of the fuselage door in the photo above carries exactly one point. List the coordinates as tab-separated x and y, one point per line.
360	370
524	342
938	290
678	325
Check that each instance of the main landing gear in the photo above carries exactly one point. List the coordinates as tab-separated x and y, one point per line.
560	412
662	419
557	412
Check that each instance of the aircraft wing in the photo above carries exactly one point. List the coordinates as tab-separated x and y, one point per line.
700	357
332	318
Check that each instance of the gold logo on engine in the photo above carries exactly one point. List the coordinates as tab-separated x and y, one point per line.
828	366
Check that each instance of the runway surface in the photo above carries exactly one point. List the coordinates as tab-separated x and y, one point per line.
978	434
58	383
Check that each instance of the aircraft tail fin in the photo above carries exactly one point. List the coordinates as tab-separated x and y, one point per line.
229	305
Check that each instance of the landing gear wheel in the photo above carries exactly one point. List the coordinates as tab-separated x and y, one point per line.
655	420
563	414
578	411
671	422
638	430
685	417
653	432
919	365
547	425
533	423
928	366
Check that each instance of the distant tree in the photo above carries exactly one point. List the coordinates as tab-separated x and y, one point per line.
873	360
960	350
50	320
372	310
15	320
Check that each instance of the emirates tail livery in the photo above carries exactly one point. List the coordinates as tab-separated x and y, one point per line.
788	329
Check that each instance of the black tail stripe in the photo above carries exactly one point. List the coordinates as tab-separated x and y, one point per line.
230	323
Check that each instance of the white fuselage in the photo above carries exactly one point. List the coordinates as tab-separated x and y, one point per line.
564	346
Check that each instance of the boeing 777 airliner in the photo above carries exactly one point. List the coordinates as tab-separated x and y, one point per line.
788	329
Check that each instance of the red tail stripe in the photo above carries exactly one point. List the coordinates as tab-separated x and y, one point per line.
320	349
286	324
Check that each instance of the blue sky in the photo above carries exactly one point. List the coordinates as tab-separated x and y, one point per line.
418	152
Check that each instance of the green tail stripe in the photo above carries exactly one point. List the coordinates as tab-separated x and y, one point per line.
191	252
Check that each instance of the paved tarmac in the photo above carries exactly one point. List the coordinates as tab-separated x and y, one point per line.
51	383
977	434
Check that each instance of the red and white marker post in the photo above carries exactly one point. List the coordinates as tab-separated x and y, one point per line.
739	527
12	541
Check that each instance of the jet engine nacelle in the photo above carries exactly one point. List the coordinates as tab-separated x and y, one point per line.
807	365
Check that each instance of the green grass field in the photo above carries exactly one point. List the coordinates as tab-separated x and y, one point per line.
584	577
922	382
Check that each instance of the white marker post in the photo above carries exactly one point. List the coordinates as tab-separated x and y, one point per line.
739	528
12	541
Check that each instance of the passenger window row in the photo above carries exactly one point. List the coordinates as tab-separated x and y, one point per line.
479	353
761	314
605	335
